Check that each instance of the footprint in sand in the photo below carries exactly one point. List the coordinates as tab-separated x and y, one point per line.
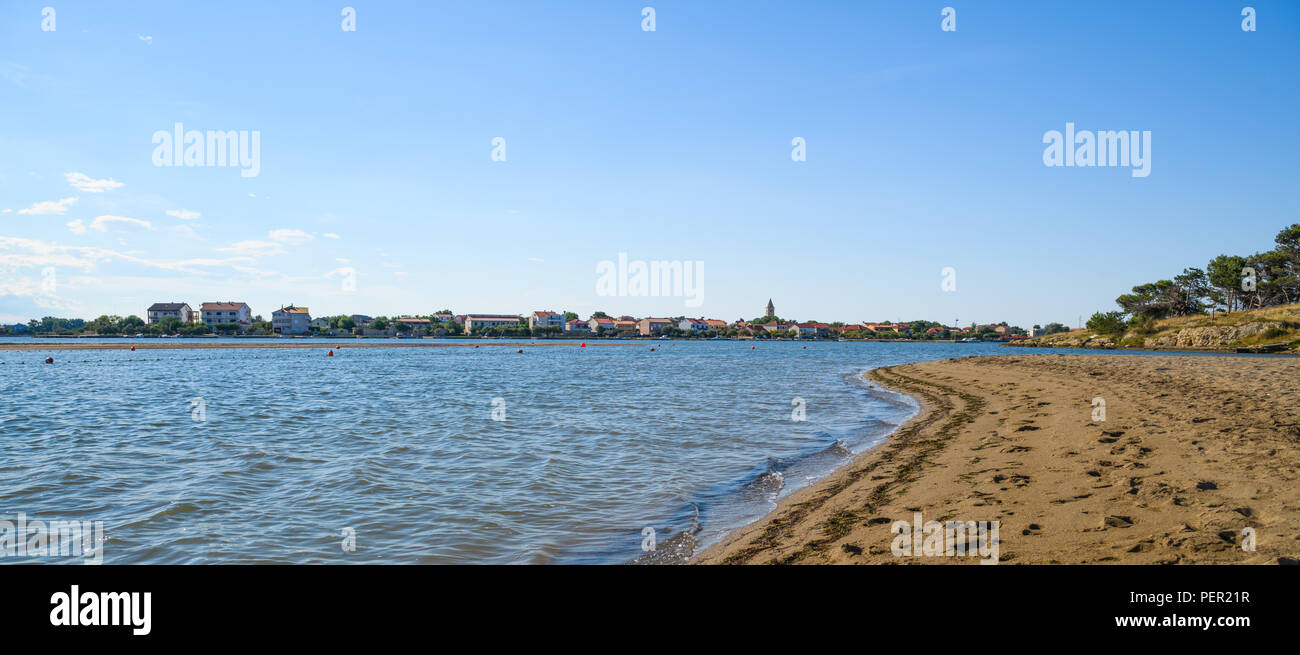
1116	521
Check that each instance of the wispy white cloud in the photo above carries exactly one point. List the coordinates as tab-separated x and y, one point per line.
330	235
48	207
103	223
83	182
291	237
183	214
254	247
537	259
19	252
147	39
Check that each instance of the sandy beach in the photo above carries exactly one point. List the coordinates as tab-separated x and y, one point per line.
1190	452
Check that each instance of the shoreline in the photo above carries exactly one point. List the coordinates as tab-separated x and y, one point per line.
746	543
1193	451
327	344
1267	349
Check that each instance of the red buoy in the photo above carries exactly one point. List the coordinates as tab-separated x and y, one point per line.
584	344
49	360
520	351
652	350
132	348
331	353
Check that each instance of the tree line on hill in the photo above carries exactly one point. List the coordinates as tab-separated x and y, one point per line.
1228	283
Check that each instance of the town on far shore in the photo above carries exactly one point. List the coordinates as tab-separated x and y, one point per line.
230	318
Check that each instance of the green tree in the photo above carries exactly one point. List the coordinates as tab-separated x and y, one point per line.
1224	277
131	324
1111	323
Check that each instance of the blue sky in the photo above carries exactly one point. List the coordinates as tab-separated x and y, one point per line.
924	150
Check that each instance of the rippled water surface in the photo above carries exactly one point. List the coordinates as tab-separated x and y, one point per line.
596	444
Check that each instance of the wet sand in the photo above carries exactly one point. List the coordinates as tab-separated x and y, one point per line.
1191	451
179	344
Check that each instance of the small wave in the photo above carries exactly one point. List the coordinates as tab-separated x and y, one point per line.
676	549
769	482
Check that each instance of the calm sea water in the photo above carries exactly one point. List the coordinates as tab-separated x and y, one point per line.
401	445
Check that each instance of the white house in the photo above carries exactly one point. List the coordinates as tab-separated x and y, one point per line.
217	313
290	320
695	324
489	320
545	319
177	310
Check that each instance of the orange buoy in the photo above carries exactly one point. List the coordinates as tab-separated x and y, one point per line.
652	350
520	351
331	353
132	348
49	360
584	344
